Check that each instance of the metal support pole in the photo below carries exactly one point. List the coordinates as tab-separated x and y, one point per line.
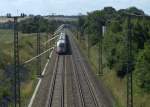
100	57
81	34
47	37
17	99
38	49
38	52
77	34
100	52
88	48
129	66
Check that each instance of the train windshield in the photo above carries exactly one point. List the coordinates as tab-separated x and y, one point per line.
61	45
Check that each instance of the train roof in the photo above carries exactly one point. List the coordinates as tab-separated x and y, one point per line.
62	36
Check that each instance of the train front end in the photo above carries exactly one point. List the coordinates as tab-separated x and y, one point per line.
61	47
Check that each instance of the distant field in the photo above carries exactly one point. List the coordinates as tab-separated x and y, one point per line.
5	19
6	36
61	18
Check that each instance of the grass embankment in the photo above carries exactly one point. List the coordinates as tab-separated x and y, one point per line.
27	46
116	85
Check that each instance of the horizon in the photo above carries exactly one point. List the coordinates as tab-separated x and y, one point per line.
67	7
73	15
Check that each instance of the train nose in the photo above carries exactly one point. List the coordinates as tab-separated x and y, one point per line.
60	50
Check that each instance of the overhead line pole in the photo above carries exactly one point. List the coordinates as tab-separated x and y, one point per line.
100	72
38	49
129	66
129	62
16	79
47	37
88	47
17	99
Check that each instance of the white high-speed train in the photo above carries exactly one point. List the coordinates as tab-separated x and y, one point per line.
61	46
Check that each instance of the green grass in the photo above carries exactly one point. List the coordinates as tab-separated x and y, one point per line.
27	50
116	85
6	35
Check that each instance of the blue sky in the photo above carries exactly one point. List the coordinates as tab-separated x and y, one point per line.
67	7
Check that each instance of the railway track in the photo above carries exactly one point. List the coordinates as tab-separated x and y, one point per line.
88	96
56	93
69	82
82	93
70	89
81	102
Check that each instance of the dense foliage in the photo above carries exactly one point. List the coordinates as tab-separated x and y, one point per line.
40	24
142	68
118	27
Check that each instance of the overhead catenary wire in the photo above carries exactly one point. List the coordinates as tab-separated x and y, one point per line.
55	33
45	44
50	40
38	55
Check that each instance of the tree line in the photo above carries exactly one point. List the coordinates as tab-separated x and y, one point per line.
115	40
38	24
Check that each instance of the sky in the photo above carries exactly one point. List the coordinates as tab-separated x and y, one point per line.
67	7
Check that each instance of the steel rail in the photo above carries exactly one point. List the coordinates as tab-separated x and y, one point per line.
52	84
62	85
88	81
91	87
77	82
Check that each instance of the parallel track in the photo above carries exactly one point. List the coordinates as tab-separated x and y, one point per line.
83	91
70	88
87	91
78	85
70	83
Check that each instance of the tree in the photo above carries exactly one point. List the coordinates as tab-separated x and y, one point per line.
8	15
115	50
115	39
93	26
142	68
132	10
135	11
23	15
